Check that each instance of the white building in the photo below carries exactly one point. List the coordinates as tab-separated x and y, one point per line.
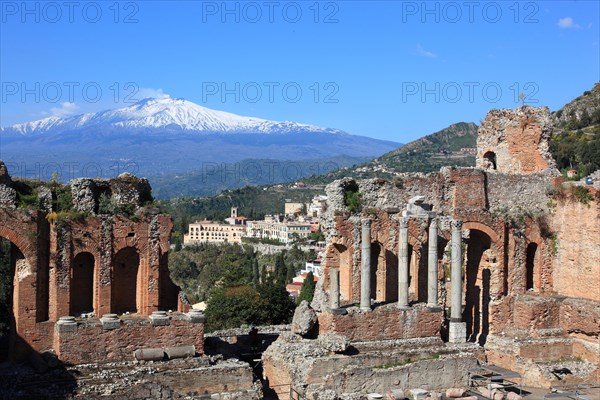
216	232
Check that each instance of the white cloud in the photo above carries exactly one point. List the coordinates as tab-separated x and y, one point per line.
424	53
66	109
567	22
144	93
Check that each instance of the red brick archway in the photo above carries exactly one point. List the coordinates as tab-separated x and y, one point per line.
125	281
83	269
477	281
25	299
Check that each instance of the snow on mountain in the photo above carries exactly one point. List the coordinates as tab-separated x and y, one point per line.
163	114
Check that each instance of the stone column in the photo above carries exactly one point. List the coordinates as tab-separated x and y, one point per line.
365	277
334	288
403	272
334	292
458	329
432	267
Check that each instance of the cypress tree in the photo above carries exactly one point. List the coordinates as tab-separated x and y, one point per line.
307	290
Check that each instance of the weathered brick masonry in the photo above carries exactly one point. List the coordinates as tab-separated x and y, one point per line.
530	262
96	264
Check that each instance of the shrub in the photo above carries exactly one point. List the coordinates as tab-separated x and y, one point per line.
581	194
352	199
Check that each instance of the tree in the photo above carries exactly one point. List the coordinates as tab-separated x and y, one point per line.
234	306
278	305
255	273
290	274
280	269
307	290
263	274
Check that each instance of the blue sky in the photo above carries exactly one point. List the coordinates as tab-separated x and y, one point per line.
394	70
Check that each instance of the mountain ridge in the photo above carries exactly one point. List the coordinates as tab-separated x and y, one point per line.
167	115
169	136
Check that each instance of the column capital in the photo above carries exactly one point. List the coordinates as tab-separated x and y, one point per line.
366	222
404	222
456	224
433	223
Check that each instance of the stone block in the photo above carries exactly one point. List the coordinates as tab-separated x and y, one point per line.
196	316
160	318
110	321
66	324
457	332
455	393
338	311
419	394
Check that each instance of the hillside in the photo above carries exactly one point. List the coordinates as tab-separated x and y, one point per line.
423	155
576	141
215	177
448	146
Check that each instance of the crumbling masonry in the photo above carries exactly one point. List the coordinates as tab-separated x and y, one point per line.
482	257
109	266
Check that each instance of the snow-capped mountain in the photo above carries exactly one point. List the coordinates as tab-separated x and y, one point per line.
166	115
164	137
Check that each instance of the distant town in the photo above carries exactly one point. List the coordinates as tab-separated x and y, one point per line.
298	223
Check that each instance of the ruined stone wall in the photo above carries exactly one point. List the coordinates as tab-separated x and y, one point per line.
89	195
435	374
515	141
577	247
372	367
64	262
384	322
519	194
89	342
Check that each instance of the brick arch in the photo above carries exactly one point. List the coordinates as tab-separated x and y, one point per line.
24	246
533	265
125	280
83	282
339	255
483	228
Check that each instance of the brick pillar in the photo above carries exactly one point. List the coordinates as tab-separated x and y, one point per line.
403	272
432	266
60	272
365	277
105	262
153	286
458	329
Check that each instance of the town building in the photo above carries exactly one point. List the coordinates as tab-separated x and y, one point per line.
217	232
273	229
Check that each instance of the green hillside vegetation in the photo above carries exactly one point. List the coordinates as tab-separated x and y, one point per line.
434	151
576	141
239	285
427	154
216	177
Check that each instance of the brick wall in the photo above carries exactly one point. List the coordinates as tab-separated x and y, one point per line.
577	260
385	322
91	343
